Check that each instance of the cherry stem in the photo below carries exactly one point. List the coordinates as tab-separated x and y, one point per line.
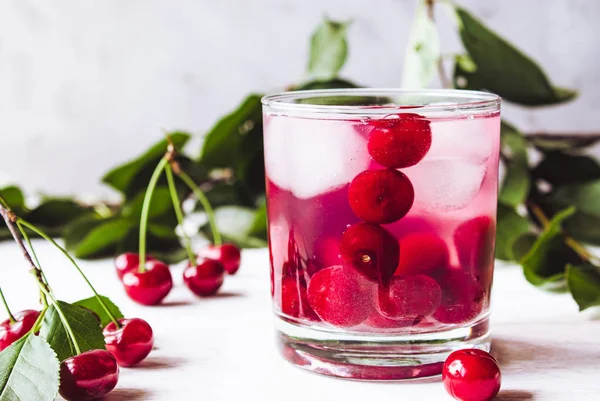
37	261
205	204
38	322
179	214
146	211
64	252
11	219
11	317
63	319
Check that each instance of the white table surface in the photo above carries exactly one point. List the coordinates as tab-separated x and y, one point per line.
223	348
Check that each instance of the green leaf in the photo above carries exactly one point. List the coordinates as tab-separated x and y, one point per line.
584	284
422	52
75	231
522	245
584	227
544	264
236	224
122	177
584	196
54	214
335	83
503	69
510	227
328	49
222	145
14	198
550	142
258	228
103	237
92	304
560	168
29	370
515	187
161	204
86	329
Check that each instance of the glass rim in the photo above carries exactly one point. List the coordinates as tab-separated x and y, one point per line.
461	100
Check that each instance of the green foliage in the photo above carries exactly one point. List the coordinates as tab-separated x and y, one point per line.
584	283
503	69
94	305
29	370
86	329
328	50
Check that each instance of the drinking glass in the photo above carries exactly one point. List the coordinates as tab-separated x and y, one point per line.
382	215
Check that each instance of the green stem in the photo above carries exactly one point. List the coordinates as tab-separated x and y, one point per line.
38	323
37	261
146	211
60	248
63	319
3	202
179	214
205	204
11	317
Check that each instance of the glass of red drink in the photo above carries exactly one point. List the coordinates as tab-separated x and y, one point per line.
382	213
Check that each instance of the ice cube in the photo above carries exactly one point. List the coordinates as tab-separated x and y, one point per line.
472	138
310	157
445	184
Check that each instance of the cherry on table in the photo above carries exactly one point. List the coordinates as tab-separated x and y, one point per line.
151	286
371	250
128	261
400	142
422	253
381	196
340	296
228	255
205	278
471	375
131	343
11	332
409	298
88	376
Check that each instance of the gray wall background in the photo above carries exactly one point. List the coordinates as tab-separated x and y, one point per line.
86	84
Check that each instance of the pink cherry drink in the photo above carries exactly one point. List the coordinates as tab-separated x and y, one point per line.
381	227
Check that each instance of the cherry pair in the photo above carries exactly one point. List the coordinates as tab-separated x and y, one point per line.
207	276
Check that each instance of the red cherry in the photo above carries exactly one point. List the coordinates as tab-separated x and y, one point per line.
462	297
131	343
471	375
381	196
227	254
294	302
422	253
340	296
474	240
151	286
205	278
326	253
11	332
88	376
128	261
409	298
371	249
400	142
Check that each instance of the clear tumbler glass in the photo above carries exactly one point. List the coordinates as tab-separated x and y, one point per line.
382	216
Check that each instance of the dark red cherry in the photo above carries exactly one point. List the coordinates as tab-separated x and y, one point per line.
409	298
371	249
11	332
131	343
205	278
151	286
471	375
400	142
474	241
88	376
294	302
462	297
128	261
340	296
227	254
381	196
422	253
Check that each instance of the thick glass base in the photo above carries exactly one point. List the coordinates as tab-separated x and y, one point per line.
377	357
